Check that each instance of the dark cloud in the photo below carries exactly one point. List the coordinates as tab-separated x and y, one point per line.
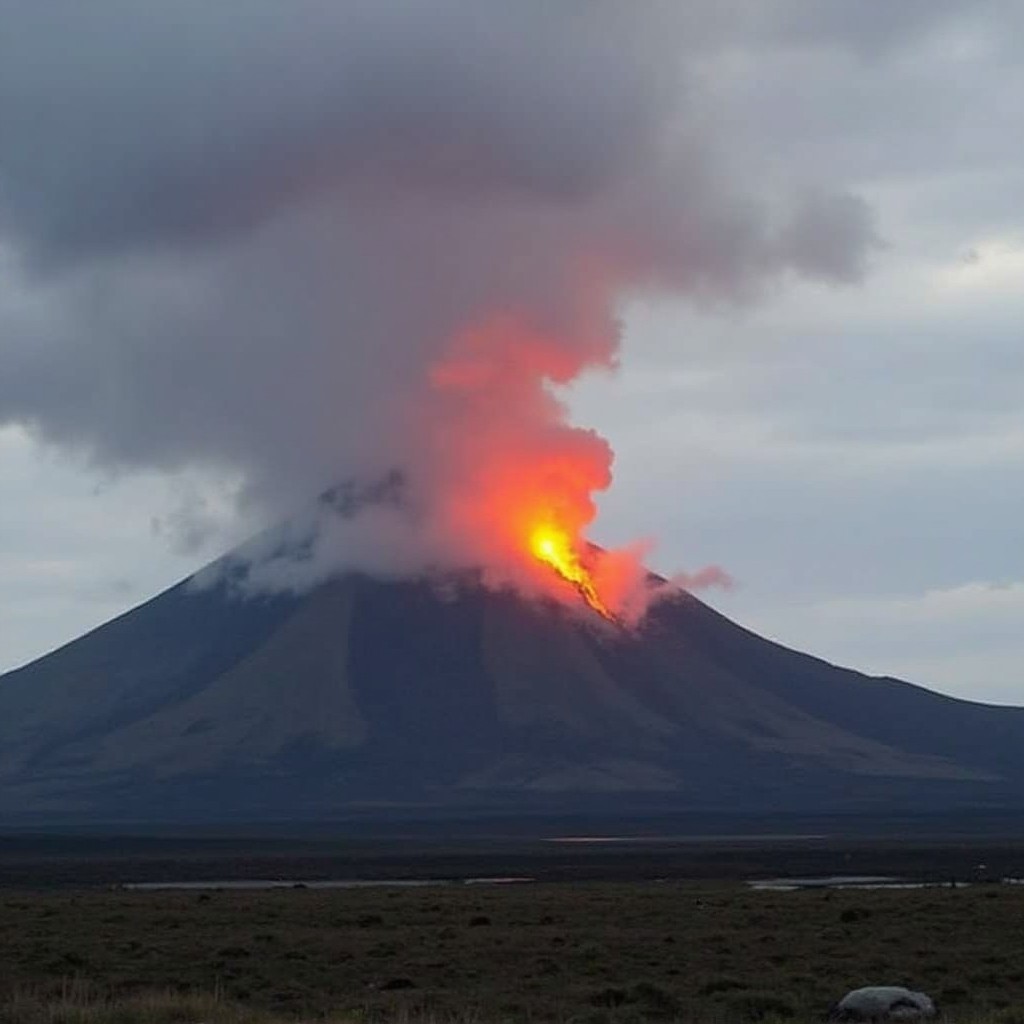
132	125
239	236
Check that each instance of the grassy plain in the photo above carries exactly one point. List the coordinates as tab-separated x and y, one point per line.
597	953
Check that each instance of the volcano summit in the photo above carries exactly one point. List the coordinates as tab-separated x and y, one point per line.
415	695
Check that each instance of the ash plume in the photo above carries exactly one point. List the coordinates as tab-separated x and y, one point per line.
309	242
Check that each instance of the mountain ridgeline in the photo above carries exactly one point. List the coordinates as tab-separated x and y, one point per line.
405	697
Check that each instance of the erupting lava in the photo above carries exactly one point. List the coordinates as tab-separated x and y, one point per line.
519	479
555	548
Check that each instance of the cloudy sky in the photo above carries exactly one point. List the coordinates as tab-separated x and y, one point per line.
213	227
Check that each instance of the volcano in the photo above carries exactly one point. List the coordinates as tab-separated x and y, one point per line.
408	696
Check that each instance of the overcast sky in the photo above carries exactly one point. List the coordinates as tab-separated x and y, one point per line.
833	413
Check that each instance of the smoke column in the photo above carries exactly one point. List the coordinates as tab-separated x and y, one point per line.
297	244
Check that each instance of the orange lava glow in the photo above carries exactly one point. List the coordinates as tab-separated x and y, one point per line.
554	547
516	481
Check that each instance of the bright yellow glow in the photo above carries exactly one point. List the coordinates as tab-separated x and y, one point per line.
554	547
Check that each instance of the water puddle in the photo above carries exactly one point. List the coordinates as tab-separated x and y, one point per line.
845	882
246	884
686	840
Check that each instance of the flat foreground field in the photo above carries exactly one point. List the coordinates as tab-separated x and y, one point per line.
579	951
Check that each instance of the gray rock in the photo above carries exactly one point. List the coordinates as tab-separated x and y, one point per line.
882	1002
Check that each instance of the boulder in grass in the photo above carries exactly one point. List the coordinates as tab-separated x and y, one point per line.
881	1003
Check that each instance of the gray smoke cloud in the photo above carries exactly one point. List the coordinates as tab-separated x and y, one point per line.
244	236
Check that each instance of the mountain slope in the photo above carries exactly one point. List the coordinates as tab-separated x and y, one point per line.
199	705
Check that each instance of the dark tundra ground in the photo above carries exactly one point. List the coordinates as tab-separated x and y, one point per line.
586	951
924	847
657	928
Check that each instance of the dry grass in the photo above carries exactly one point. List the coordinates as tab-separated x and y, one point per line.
580	954
80	1006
